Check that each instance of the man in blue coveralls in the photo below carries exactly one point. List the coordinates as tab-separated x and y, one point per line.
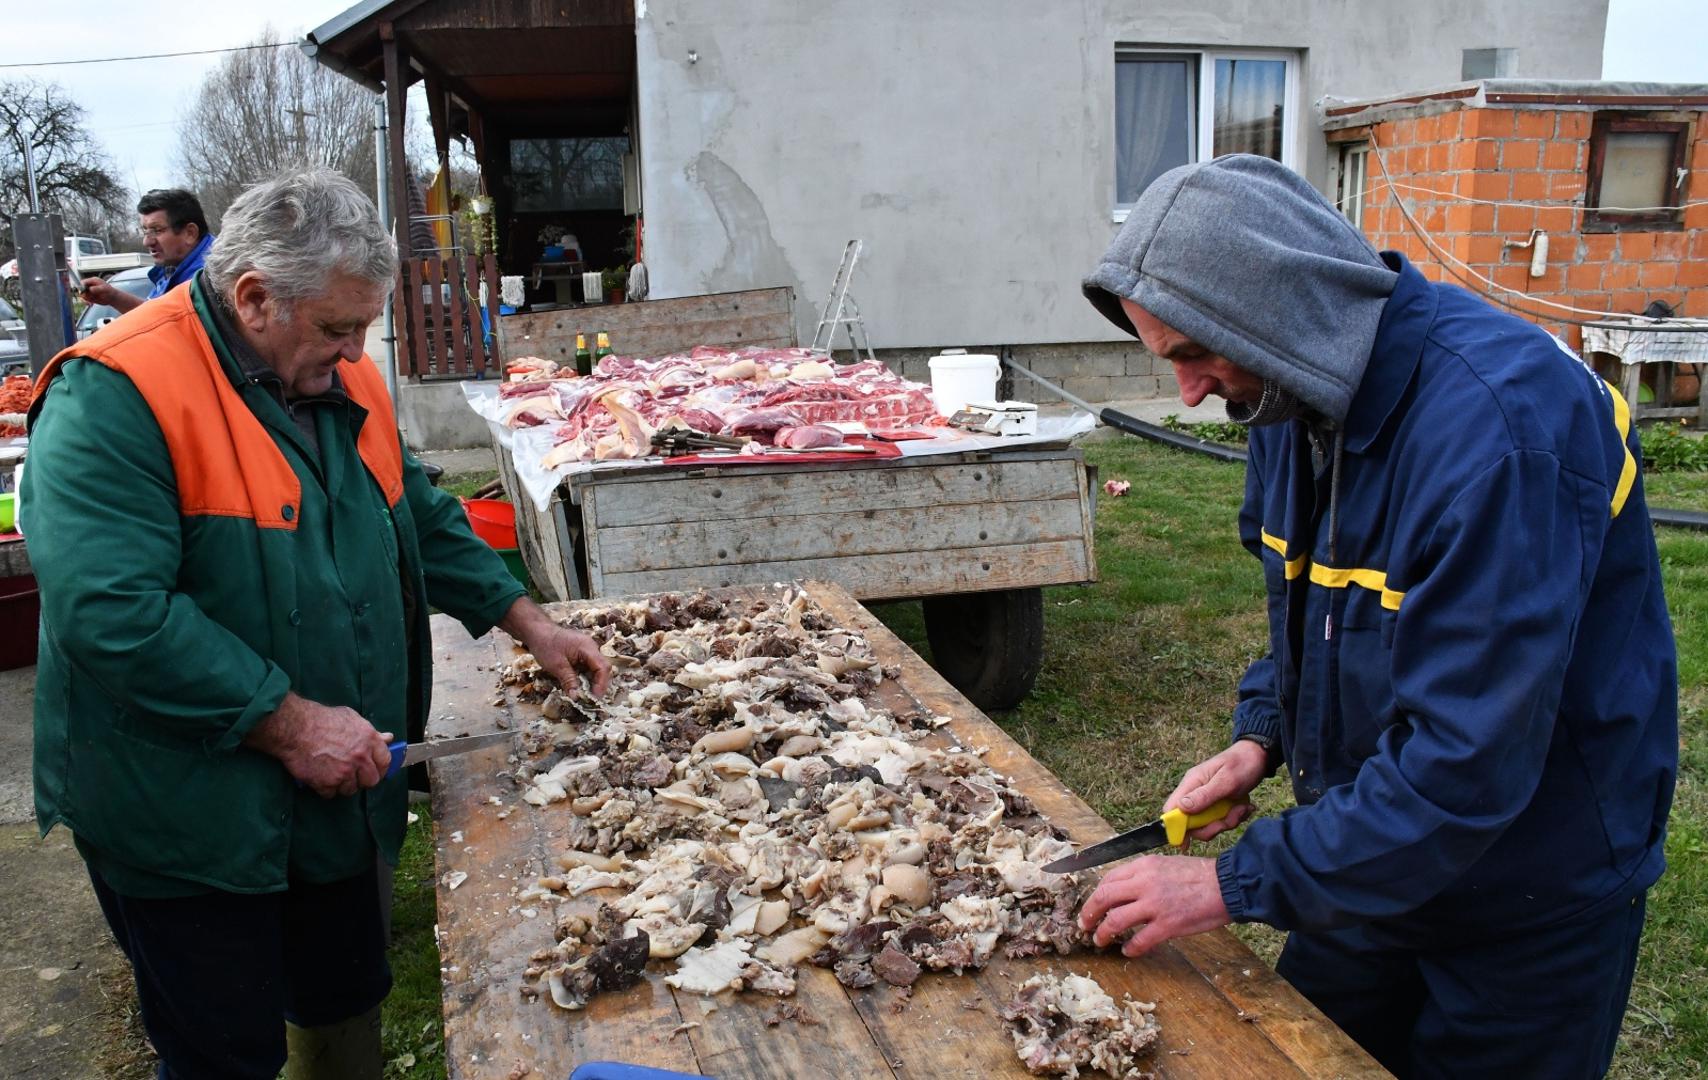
175	232
1471	680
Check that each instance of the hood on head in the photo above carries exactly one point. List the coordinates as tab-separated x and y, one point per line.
1245	258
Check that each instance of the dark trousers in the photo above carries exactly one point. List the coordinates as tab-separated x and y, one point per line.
1540	1003
220	973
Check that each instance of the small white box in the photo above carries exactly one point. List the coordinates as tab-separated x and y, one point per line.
1005	417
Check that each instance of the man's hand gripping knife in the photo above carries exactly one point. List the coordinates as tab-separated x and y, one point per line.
335	751
1170	896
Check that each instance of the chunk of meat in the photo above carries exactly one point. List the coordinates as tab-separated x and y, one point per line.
810	437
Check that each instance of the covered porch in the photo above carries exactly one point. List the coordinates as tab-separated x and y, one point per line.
544	95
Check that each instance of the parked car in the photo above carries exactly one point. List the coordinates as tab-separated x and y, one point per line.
83	255
11	323
96	316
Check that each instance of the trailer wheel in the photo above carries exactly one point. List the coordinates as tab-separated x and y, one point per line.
989	645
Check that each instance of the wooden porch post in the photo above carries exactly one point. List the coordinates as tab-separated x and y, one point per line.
409	297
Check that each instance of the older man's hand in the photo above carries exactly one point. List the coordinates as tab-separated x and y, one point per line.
331	749
565	654
1169	896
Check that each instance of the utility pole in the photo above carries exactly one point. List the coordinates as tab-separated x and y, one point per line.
300	115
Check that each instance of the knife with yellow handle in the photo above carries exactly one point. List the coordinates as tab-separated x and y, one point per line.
1171	828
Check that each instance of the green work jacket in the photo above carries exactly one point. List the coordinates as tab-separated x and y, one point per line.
166	637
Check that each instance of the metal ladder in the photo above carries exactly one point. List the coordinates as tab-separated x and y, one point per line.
824	338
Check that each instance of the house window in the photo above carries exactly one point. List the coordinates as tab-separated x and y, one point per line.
1636	174
568	174
1176	106
1354	179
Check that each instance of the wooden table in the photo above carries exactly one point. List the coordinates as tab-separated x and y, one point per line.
1224	1013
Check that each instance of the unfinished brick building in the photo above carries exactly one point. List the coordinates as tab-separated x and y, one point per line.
1614	177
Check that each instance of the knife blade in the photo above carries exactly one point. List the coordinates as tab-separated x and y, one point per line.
1171	828
405	754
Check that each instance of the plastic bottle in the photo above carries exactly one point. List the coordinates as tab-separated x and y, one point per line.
583	358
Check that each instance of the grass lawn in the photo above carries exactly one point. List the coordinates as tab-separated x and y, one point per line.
464	485
1138	684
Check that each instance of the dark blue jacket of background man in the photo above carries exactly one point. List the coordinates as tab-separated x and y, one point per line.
1472	673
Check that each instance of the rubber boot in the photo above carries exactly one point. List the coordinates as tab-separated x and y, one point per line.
345	1051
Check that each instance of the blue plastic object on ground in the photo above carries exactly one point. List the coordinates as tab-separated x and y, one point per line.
611	1070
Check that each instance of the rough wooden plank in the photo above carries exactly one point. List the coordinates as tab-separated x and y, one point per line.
1086	481
489	1026
469	268
615	500
1292	1027
863	1034
877	577
430	271
494	356
657	327
735	1041
456	351
1283	1015
536	533
831	534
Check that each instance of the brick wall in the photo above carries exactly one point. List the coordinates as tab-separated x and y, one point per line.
1533	162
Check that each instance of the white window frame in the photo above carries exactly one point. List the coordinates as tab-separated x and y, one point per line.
1354	166
1205	139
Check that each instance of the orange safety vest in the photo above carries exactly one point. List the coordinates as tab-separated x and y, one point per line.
226	463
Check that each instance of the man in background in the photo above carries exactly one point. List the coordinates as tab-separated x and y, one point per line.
175	231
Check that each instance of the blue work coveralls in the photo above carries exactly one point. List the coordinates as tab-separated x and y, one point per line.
1473	683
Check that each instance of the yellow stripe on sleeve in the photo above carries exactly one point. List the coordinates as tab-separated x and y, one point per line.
1331	577
1293	567
1628	473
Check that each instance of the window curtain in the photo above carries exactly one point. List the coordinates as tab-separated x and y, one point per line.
1154	121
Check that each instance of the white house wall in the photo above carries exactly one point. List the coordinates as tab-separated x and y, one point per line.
970	143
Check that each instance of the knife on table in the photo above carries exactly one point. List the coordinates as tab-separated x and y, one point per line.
1171	828
405	754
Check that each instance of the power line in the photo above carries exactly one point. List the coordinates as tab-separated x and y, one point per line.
146	56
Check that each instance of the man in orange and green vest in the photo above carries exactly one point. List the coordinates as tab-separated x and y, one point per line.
236	560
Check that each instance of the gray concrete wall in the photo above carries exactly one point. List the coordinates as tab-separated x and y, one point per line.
970	143
436	416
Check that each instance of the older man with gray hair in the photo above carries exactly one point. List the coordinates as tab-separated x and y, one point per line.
236	559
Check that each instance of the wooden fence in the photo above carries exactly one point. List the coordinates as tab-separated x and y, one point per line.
440	331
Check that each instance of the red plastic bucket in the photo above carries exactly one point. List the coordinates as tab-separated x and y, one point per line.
493	520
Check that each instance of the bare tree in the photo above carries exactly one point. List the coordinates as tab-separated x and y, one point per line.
263	111
73	175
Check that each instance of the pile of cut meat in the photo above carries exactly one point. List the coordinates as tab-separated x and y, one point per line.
754	810
14	403
1062	1025
776	397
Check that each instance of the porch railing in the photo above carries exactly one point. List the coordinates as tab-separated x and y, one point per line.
443	333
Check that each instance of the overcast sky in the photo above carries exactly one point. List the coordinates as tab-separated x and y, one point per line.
133	107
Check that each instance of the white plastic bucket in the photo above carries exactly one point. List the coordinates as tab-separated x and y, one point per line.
958	377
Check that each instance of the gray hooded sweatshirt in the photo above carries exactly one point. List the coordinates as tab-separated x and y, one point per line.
1245	258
